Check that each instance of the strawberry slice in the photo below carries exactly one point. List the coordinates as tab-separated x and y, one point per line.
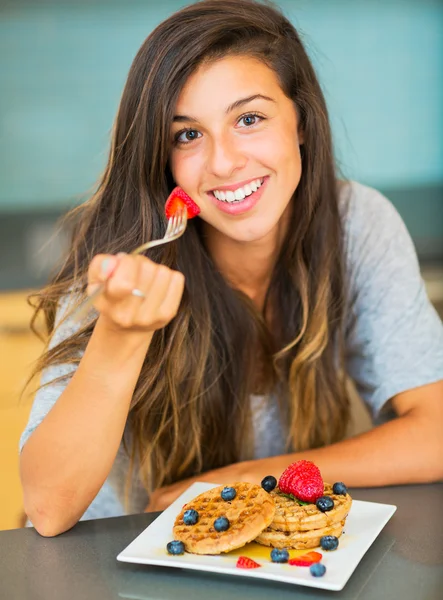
244	562
178	198
306	560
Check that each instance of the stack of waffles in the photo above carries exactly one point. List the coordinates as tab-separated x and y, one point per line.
302	525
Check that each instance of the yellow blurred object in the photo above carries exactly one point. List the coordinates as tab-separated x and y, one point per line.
19	348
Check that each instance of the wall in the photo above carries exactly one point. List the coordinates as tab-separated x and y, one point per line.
63	65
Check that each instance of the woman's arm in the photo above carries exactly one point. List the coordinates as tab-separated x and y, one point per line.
69	455
67	458
406	450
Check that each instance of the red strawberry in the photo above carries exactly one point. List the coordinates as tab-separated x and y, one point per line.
244	562
306	560
180	198
303	480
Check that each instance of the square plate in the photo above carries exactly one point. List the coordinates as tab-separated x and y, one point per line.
364	523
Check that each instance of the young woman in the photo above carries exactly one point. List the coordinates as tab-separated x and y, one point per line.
232	361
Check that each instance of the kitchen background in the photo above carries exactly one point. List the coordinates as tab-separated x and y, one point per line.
63	64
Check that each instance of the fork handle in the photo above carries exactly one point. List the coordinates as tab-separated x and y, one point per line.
149	245
82	311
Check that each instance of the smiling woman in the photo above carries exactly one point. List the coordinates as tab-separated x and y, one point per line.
231	360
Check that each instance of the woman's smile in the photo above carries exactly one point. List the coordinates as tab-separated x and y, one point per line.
238	199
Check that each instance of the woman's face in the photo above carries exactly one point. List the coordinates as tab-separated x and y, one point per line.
235	147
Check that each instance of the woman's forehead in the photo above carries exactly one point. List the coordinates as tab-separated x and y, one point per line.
220	83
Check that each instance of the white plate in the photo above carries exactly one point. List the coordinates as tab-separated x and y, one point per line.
364	523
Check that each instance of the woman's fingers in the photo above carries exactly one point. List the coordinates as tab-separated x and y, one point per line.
138	293
162	302
101	268
123	279
172	299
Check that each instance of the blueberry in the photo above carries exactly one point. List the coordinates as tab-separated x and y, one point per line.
329	542
221	524
269	483
190	517
279	556
317	569
175	547
339	488
228	493
324	503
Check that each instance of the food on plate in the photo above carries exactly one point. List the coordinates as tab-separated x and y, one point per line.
297	540
244	562
175	547
329	542
317	569
303	480
300	523
299	511
306	560
269	483
225	525
279	555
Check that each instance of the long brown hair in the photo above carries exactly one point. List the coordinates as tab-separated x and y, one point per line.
190	408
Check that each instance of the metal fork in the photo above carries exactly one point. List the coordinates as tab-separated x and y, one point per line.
175	228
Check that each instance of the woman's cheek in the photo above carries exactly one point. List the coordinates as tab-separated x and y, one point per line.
185	169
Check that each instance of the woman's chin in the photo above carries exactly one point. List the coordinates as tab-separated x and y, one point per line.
251	233
247	231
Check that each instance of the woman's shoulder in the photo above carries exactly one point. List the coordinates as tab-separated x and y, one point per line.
371	224
363	207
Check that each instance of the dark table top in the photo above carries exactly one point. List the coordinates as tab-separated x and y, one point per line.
405	561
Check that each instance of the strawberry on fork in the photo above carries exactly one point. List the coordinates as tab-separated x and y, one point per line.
178	198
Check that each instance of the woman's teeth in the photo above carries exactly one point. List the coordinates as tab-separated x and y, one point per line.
240	193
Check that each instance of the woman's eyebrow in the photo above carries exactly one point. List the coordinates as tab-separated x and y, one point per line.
231	107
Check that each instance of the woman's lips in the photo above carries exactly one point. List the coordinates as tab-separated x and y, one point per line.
240	207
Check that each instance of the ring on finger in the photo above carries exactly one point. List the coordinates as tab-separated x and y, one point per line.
138	293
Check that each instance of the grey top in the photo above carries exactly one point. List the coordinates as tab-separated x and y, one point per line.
394	338
404	562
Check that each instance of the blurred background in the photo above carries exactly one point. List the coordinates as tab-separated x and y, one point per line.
63	64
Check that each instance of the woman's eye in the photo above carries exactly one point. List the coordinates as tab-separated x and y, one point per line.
251	119
186	136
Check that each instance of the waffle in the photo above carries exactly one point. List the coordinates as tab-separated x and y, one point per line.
290	516
298	540
249	513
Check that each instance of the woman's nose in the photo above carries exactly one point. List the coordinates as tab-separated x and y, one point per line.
225	157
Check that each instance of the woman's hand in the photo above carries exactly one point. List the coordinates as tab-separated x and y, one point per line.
139	294
242	471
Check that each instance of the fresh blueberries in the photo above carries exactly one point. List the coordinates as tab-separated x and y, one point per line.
324	503
339	488
221	524
317	570
175	547
269	483
228	493
190	517
329	542
279	555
